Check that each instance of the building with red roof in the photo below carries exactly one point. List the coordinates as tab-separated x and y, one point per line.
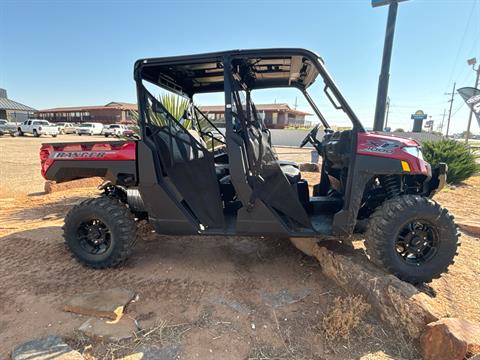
113	112
275	116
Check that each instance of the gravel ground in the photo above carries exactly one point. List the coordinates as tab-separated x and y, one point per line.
213	287
20	170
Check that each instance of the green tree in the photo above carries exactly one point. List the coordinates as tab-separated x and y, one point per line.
461	161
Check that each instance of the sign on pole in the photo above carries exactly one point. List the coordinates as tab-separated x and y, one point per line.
419	115
472	98
376	3
418	118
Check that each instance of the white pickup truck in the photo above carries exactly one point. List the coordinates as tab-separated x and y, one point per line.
37	127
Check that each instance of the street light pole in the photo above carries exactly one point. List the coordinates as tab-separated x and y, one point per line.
473	62
382	92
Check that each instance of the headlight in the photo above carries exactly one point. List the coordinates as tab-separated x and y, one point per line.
413	150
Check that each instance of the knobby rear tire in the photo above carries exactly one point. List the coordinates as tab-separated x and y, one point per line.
119	221
385	226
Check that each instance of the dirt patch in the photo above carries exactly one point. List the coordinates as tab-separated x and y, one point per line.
210	296
239	297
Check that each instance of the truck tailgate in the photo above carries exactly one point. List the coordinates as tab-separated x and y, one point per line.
114	161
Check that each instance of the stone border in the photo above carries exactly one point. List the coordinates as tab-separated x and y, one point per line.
472	229
400	304
52	186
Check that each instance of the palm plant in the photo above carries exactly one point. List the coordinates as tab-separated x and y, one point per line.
177	106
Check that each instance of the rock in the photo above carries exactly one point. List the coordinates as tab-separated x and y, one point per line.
52	186
50	217
153	352
48	348
284	297
309	167
305	245
398	303
451	339
469	227
109	330
104	303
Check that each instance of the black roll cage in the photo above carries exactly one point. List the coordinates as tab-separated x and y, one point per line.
225	57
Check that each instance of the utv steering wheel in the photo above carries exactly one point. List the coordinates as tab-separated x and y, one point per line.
311	137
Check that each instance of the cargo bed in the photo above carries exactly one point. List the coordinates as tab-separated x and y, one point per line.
112	160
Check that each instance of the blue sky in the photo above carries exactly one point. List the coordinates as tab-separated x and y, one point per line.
67	53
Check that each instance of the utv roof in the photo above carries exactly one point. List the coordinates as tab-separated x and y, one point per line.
259	68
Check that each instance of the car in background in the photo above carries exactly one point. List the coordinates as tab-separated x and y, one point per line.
66	128
37	127
7	127
90	129
117	130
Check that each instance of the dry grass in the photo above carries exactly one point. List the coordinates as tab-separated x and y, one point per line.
161	335
343	316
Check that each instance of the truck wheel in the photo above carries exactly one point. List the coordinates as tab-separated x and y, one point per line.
100	232
35	133
20	132
54	135
413	238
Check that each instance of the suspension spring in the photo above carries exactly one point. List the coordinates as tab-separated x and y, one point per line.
391	184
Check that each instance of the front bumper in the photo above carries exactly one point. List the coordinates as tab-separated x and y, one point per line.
438	179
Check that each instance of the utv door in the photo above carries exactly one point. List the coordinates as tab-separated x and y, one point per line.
182	164
261	169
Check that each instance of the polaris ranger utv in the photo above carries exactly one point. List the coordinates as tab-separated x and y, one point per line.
236	185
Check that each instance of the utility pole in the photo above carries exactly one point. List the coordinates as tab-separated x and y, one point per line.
472	62
451	105
383	80
443	120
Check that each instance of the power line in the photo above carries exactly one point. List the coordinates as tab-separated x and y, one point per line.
458	109
461	44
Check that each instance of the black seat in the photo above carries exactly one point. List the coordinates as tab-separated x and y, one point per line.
221	170
291	172
289	168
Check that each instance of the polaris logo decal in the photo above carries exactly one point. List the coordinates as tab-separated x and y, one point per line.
78	154
386	147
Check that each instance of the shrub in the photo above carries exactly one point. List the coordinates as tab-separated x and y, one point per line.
460	160
343	316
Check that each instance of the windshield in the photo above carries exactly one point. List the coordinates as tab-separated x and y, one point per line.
86	125
114	126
